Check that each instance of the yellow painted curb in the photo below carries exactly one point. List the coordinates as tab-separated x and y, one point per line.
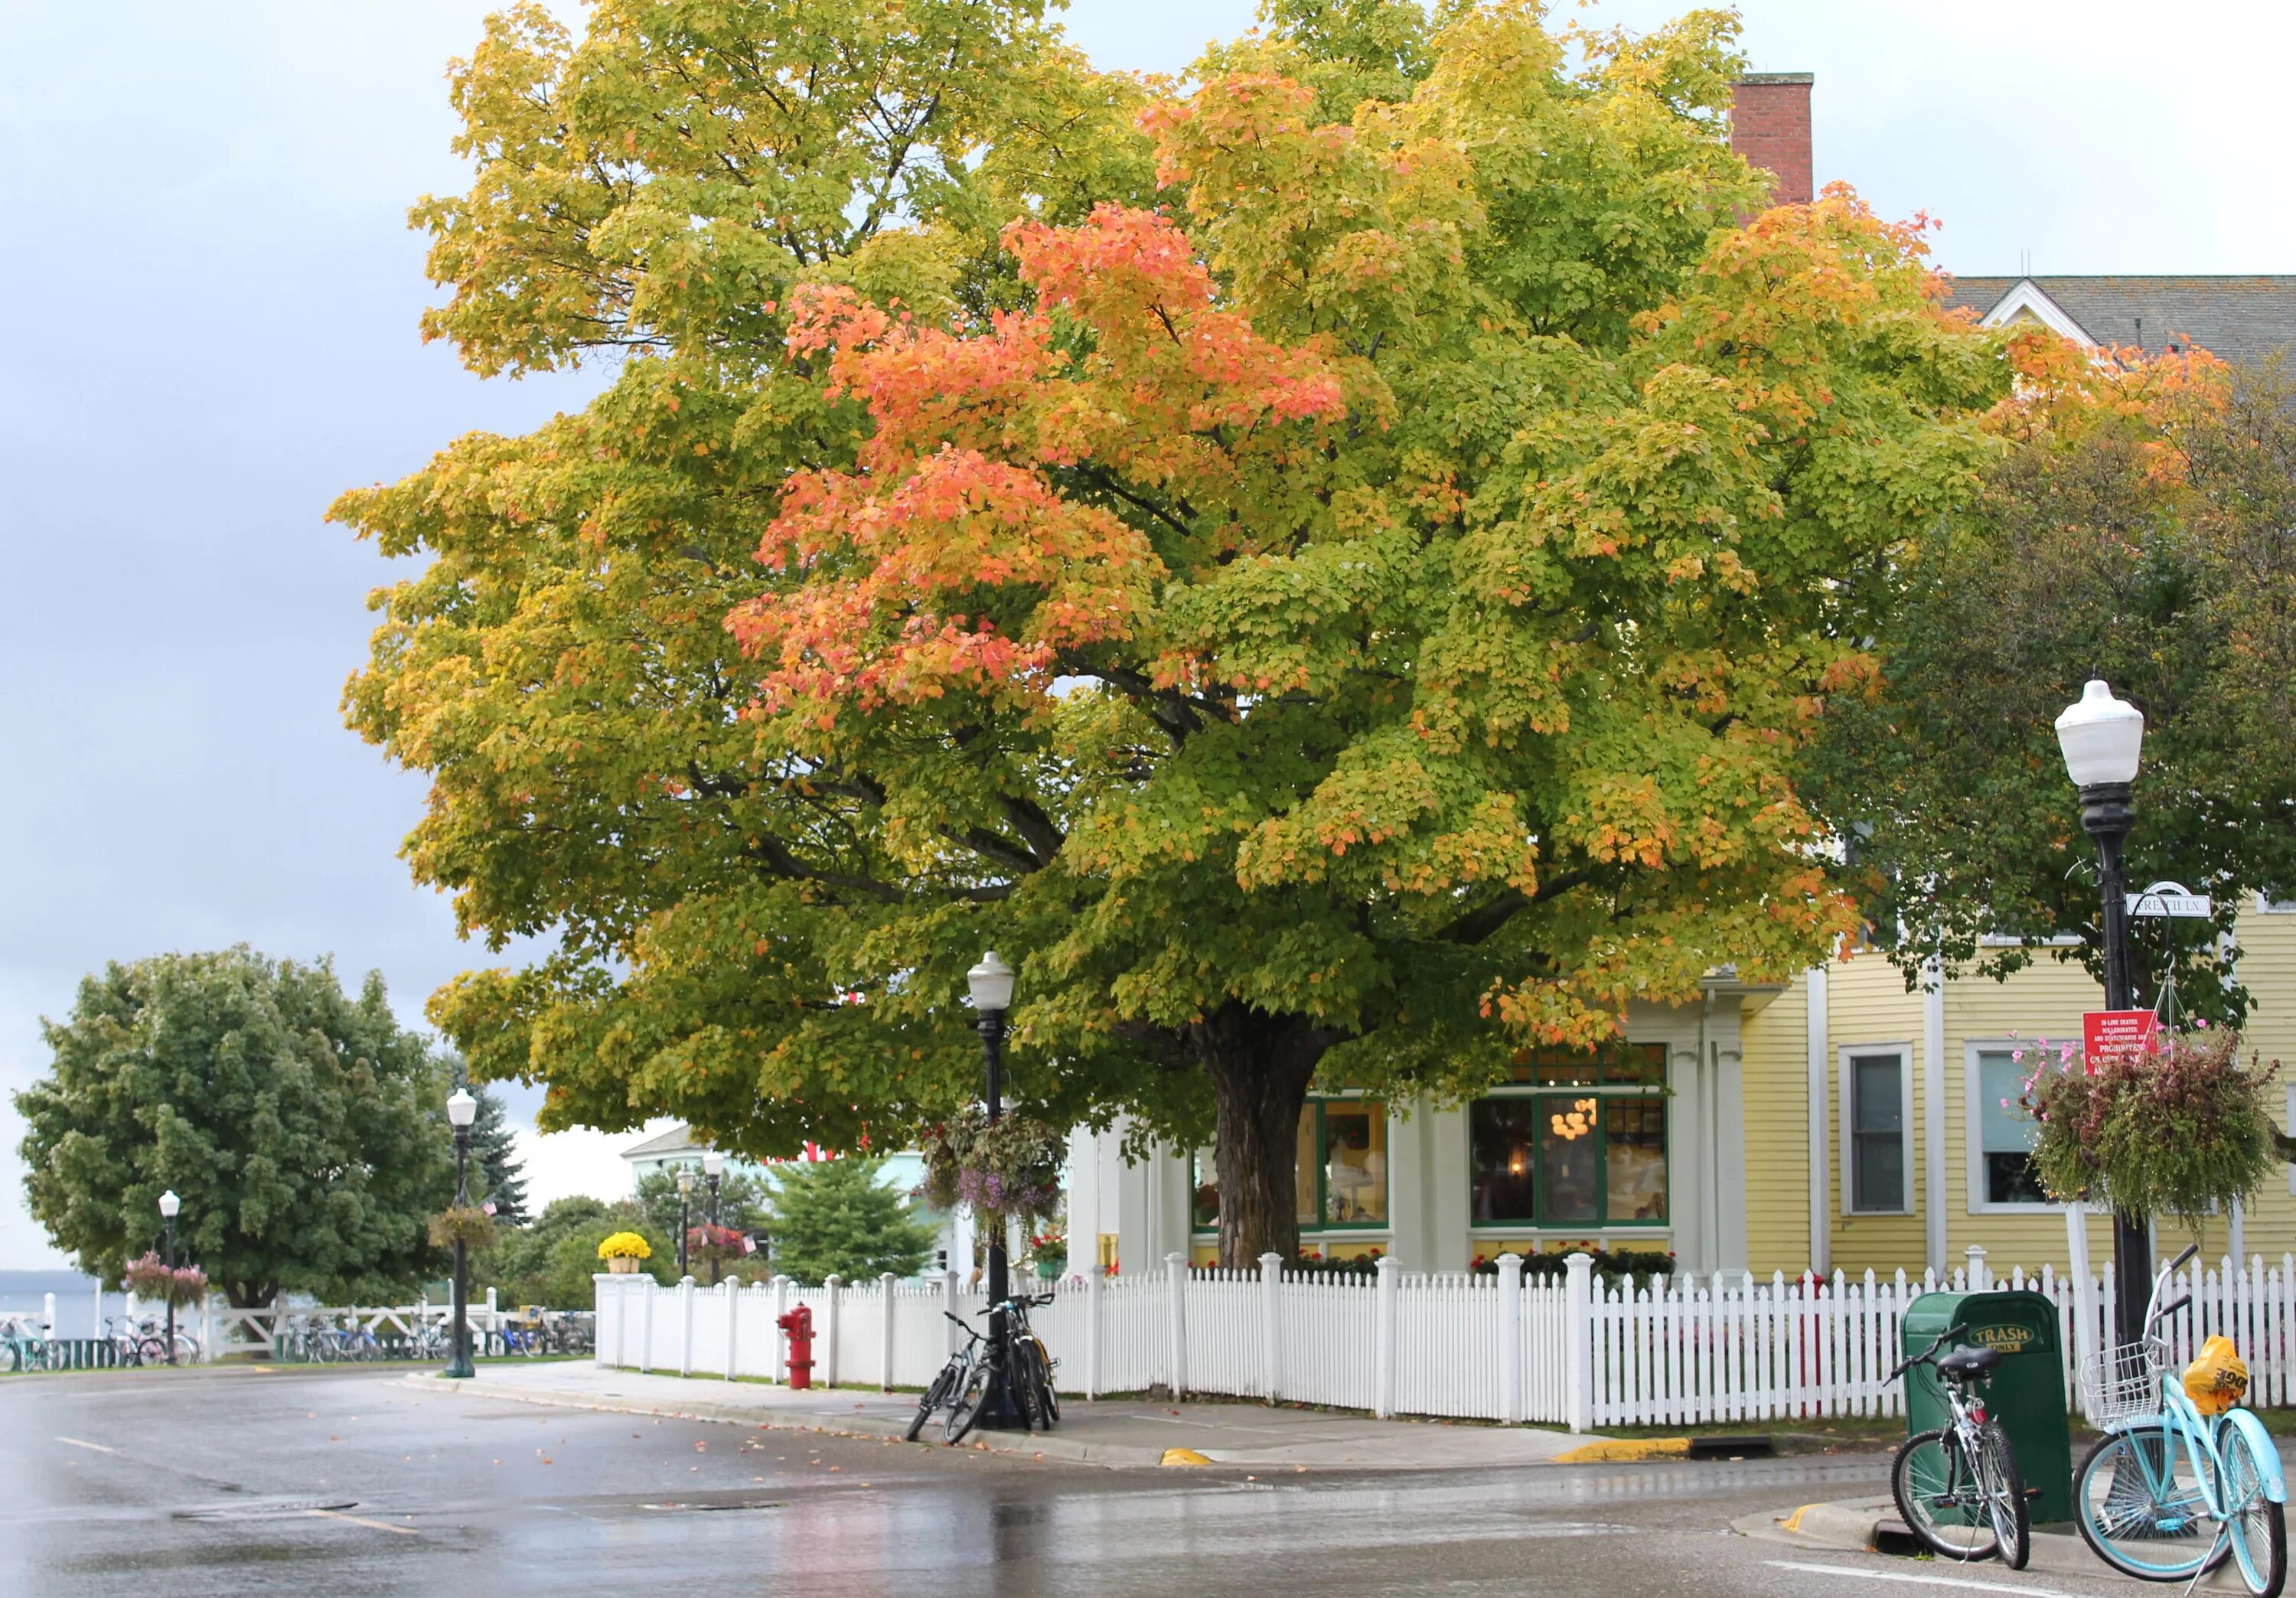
1793	1522
1617	1449
1184	1456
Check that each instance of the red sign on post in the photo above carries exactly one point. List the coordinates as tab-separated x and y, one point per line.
2108	1032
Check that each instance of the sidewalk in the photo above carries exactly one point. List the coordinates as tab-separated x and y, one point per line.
1105	1432
1871	1525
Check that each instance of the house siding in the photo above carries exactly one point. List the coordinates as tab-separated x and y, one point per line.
1776	1089
1868	1003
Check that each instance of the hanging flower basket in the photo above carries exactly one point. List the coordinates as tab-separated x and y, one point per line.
2178	1127
150	1277
720	1244
464	1224
1008	1171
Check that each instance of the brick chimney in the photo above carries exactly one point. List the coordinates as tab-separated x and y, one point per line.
1769	126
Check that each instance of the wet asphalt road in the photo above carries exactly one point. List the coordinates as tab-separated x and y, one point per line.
350	1482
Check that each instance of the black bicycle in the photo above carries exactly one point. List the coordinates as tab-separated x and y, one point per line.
952	1381
964	1383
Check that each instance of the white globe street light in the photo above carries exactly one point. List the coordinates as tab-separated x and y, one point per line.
2103	741
991	983
462	1110
713	1167
2101	737
169	1206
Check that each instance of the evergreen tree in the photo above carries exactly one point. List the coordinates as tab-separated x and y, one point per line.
497	1174
834	1217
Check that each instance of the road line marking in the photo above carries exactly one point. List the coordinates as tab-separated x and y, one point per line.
76	1443
405	1531
1923	1581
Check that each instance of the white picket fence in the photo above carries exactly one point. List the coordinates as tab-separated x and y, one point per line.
1690	1350
223	1330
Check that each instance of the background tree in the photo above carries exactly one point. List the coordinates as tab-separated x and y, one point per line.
2142	529
552	1261
1354	635
741	1201
305	1130
835	1217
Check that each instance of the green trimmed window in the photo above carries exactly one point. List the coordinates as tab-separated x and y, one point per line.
1342	1170
1593	1156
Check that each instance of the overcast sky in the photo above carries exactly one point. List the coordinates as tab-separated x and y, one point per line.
215	332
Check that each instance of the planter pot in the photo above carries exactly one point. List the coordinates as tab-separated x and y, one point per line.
1048	1269
622	1265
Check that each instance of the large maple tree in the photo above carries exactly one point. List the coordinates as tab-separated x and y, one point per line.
1340	604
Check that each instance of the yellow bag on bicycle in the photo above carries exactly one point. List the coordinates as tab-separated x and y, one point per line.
2219	1378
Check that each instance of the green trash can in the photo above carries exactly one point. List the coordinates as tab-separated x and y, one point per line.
2028	1390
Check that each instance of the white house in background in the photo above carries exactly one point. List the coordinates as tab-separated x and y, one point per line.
904	1172
1654	1160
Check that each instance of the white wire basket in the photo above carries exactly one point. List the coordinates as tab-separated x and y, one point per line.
2123	1384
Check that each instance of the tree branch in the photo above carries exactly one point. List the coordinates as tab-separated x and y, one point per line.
1480	923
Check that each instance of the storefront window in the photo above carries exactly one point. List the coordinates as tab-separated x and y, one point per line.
1502	1134
1588	1158
1341	1177
1355	1163
1203	1193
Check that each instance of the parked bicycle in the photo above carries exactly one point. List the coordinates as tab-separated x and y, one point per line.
2184	1478
1956	1486
1025	1366
950	1381
23	1346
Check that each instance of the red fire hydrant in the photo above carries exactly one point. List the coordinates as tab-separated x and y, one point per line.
798	1325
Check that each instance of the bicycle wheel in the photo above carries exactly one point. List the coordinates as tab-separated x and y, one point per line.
1027	1391
2255	1527
2140	1507
12	1357
150	1351
1940	1498
933	1398
1050	1399
965	1408
2006	1505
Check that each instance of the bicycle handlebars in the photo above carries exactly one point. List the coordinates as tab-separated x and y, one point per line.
1923	1358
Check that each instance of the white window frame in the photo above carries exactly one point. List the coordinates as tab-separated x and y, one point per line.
1972	1140
1904	1050
2265	906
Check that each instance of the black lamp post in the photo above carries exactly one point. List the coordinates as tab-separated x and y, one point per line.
2103	739
713	1168
684	1193
991	985
462	1110
169	1205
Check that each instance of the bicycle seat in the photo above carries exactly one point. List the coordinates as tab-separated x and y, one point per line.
1966	1364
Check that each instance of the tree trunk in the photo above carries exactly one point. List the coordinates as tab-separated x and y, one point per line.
1260	1066
250	1295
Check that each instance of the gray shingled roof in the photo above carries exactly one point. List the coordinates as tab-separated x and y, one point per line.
677	1140
2241	318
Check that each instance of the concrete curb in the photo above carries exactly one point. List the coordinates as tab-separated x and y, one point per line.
1034	1444
1856	1525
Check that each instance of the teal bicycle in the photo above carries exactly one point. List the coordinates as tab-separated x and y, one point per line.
2169	1492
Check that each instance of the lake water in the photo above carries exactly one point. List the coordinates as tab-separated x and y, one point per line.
25	1293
